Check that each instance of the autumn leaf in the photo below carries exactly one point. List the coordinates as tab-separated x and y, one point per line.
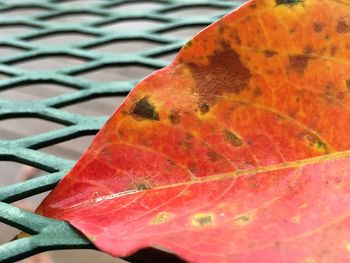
239	151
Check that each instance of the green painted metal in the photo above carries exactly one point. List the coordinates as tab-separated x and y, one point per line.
48	234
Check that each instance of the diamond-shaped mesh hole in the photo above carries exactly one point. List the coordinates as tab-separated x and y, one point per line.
136	6
96	107
22	127
3	76
169	56
79	3
80	255
32	202
12	172
61	38
131	25
7	233
195	11
9	50
23	11
74	18
34	91
126	46
14	30
115	73
49	62
71	149
185	32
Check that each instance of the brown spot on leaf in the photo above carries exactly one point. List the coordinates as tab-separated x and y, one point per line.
232	138
187	144
288	2
204	107
203	220
236	38
142	186
171	162
316	143
174	117
348	84
329	87
318	27
221	29
161	218
145	109
334	50
308	50
121	133
253	6
225	73
213	156
257	92
342	26
270	53
340	96
298	63
192	168
244	219
188	44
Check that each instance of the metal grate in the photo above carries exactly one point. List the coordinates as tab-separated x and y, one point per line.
100	23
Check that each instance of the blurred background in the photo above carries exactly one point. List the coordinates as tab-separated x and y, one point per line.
34	37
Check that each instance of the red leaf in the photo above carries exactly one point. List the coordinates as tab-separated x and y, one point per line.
239	151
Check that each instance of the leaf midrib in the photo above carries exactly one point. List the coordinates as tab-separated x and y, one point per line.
227	176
